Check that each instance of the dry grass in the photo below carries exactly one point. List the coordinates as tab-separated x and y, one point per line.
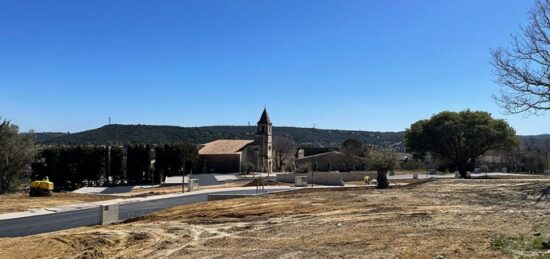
451	218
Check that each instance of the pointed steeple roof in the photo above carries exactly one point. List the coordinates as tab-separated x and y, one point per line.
265	118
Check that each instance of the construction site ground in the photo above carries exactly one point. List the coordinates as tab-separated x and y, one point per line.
18	202
478	218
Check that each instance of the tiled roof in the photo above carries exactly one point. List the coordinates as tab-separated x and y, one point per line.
224	146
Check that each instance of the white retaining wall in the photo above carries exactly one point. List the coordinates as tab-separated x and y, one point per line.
323	178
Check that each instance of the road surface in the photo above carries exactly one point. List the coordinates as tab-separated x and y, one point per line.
31	225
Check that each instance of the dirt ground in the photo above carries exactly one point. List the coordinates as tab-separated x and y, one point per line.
21	201
441	219
177	188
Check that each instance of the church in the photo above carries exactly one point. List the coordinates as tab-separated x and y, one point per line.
229	155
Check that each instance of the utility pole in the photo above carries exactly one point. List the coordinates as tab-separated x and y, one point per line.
312	178
182	180
109	163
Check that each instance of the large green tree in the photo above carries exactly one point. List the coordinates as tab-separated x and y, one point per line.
460	138
138	163
172	158
17	152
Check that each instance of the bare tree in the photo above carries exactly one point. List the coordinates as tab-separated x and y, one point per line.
523	70
16	154
352	148
284	148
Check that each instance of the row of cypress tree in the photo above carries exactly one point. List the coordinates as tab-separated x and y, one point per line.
72	167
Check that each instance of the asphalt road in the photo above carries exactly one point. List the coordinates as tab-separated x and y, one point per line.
87	217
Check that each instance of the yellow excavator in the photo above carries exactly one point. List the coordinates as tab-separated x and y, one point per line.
41	188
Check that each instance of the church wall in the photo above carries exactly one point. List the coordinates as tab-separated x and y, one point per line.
227	163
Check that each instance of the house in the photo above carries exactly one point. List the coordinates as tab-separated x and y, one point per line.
229	155
330	161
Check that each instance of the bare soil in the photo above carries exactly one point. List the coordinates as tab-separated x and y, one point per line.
22	202
479	218
19	202
177	189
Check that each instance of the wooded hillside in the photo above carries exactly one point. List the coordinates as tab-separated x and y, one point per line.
148	134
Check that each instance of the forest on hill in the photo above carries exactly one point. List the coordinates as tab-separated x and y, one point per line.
117	134
149	134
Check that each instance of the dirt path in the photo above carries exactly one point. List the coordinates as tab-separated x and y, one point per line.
449	218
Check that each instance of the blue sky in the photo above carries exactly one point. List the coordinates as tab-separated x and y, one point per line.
361	65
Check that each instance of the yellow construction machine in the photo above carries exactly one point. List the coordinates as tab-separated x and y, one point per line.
41	188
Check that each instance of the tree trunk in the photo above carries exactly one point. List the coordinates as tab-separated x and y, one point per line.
463	170
463	173
382	179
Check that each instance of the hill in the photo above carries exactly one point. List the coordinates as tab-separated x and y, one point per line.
151	134
44	136
128	134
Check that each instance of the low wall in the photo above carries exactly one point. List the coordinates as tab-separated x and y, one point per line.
323	178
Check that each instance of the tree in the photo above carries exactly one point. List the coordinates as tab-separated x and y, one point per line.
138	163
117	166
523	71
284	147
17	152
459	138
382	161
352	148
171	158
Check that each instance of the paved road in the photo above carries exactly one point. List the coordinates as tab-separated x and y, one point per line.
87	217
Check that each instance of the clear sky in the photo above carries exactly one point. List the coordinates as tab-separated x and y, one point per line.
362	65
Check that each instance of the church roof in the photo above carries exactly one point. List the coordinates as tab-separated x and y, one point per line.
224	146
265	118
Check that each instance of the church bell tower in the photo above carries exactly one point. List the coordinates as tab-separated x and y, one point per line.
264	139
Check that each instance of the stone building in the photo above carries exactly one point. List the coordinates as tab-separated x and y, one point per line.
229	155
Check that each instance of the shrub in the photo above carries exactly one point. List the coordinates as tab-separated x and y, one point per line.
304	168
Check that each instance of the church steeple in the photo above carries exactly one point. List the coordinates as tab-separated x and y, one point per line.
264	141
265	118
